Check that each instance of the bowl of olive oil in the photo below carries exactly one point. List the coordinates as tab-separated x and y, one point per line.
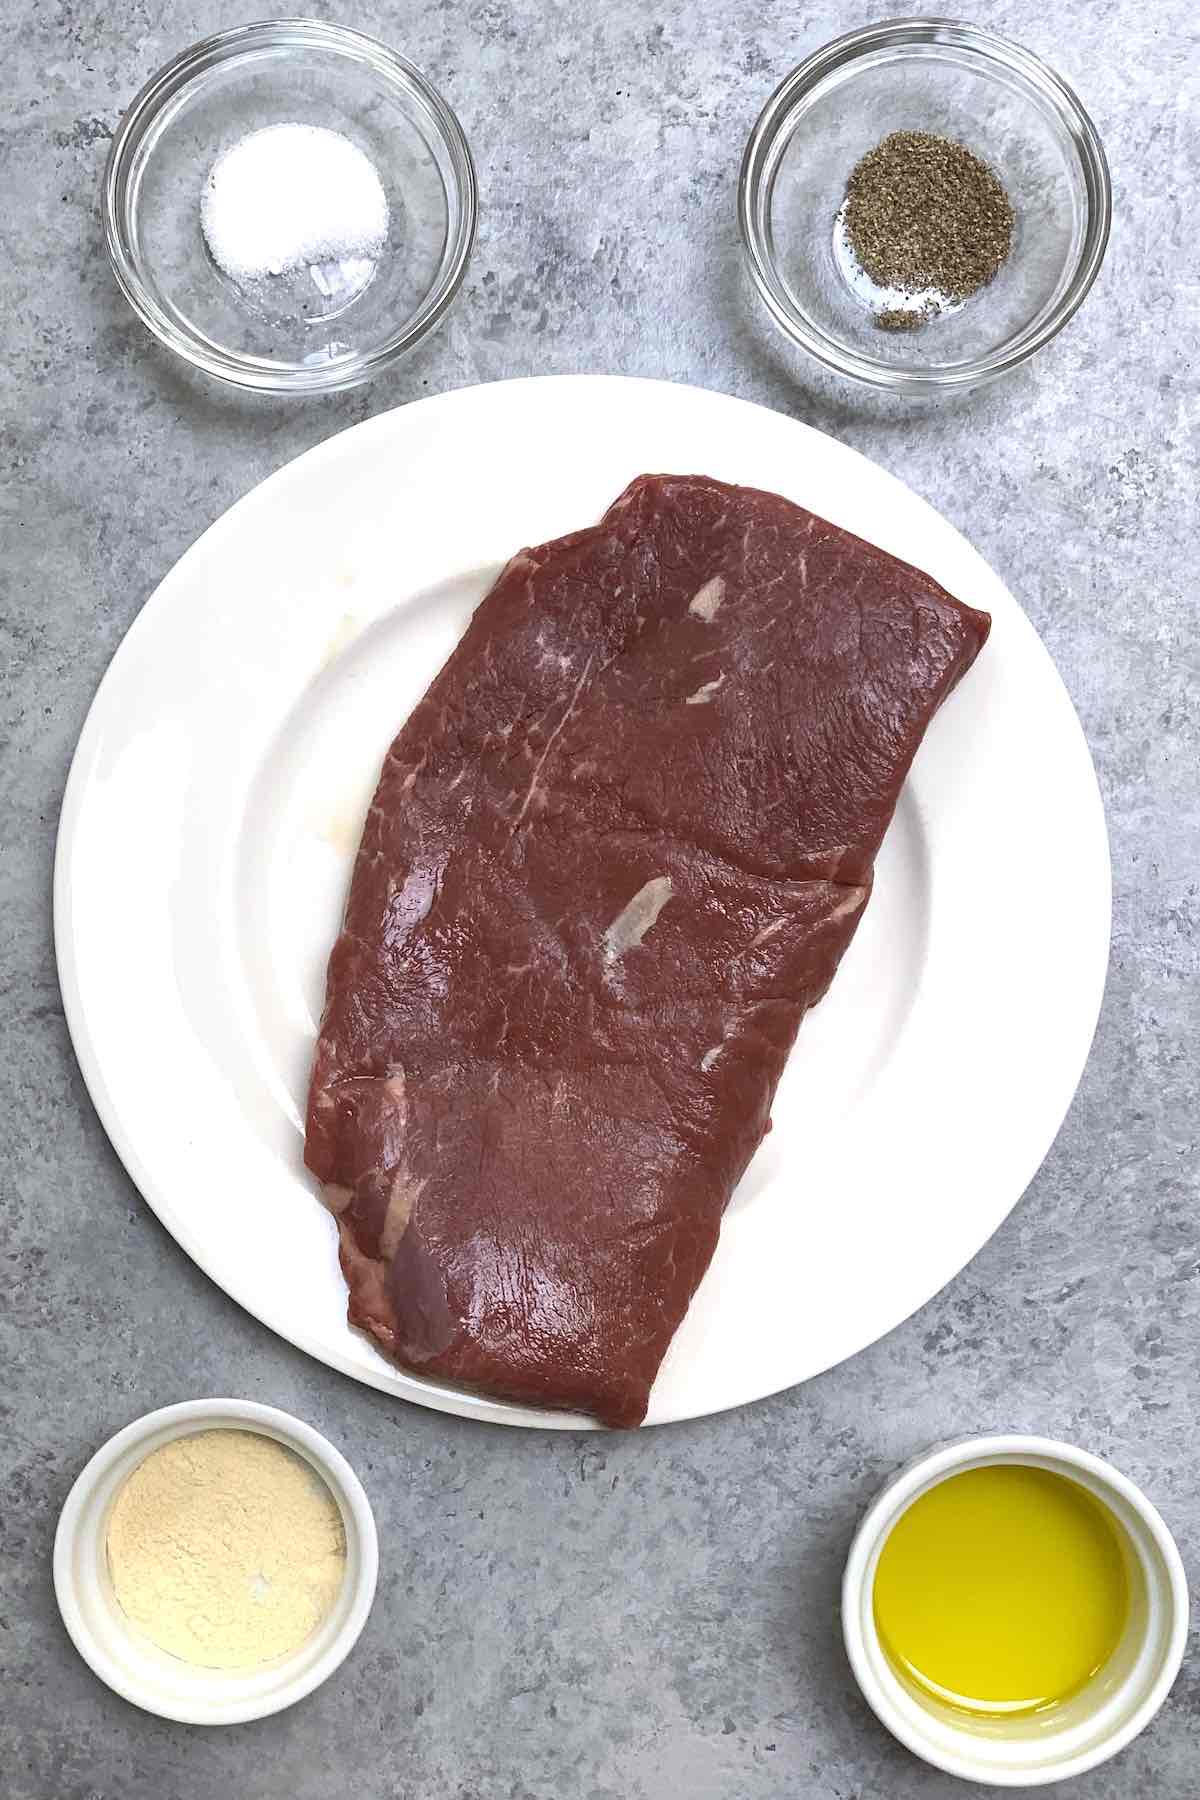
1014	1609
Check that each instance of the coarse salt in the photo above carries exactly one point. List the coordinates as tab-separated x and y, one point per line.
291	197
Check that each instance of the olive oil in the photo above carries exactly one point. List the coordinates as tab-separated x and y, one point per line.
1002	1590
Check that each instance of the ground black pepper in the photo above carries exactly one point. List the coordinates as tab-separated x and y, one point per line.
901	318
922	212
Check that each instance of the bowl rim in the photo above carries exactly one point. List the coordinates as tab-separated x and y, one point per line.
927	1470
81	1520
260	374
899	33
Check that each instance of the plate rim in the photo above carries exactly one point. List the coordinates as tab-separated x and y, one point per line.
393	1380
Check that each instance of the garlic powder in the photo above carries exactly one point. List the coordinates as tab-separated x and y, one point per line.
226	1549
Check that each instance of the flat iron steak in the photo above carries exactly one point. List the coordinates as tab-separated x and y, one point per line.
614	856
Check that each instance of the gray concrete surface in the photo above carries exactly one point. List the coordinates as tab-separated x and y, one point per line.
618	1618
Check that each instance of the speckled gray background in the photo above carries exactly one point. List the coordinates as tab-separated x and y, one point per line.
618	1618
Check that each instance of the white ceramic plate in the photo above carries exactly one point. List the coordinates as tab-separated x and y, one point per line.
214	808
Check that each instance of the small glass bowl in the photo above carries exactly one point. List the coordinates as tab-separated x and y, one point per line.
303	333
962	83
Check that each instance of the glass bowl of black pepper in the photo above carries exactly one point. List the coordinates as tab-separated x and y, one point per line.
923	204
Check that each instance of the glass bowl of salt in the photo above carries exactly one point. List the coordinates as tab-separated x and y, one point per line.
290	206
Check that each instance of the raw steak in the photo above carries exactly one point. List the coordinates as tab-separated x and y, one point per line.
614	855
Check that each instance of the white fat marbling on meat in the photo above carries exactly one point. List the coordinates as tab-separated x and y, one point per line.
402	1198
635	920
407	906
704	694
337	1198
706	600
410	779
710	1057
768	931
534	788
547	654
393	1118
367	1278
855	897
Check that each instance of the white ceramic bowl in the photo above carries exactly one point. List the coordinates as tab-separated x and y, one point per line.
136	1668
1110	1711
